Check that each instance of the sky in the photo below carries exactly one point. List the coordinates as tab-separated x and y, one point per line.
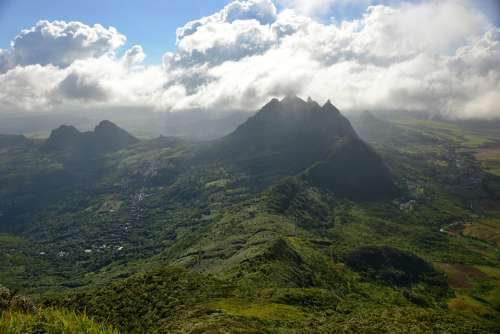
151	23
136	19
439	56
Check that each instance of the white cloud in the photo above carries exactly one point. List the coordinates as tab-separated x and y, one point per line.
134	56
216	42
262	11
60	43
318	7
249	52
436	26
239	29
29	87
385	59
80	87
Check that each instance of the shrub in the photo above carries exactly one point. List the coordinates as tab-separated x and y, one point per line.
22	304
5	297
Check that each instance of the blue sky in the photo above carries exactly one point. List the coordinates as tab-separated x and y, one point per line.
150	23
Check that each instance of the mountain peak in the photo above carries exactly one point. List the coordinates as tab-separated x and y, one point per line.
111	137
65	130
330	107
292	99
295	137
106	137
297	132
313	103
302	116
62	138
105	125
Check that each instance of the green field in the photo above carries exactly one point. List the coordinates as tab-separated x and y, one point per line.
490	159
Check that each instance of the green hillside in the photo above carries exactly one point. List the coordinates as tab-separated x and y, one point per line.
294	223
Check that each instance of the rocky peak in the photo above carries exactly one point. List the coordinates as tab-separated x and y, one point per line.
106	137
329	107
105	125
64	137
297	132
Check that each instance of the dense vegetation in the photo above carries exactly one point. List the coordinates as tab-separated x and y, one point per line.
263	231
19	315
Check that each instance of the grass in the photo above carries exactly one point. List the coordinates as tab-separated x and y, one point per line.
11	241
449	132
460	276
467	304
484	229
260	310
402	320
52	321
477	289
490	159
490	271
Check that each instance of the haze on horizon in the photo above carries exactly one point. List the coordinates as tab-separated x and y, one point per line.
440	57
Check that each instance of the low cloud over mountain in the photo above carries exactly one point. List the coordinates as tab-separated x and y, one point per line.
251	51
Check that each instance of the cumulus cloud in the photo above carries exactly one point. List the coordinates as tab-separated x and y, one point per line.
60	43
385	60
249	52
239	29
262	11
28	88
62	64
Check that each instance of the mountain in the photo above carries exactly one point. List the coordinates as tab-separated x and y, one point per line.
109	137
285	137
353	170
288	223
290	136
64	138
106	137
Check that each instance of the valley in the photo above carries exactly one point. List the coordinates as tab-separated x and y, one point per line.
299	221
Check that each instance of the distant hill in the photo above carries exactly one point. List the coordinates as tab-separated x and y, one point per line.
106	137
12	141
141	123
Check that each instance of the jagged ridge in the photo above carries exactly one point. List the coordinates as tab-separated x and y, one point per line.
293	137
